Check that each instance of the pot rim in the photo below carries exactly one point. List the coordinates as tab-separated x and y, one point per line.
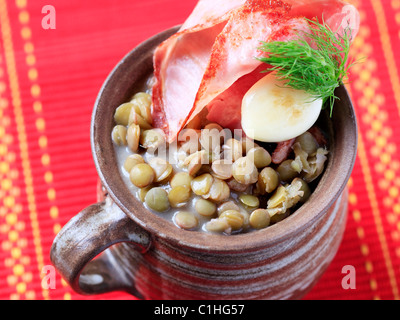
329	189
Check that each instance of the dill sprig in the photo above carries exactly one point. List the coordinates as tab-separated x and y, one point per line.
315	62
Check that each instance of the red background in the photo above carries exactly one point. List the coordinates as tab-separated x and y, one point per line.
49	80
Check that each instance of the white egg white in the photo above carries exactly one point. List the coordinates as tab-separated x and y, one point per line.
274	113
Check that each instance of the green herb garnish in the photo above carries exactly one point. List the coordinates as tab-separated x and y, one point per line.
316	62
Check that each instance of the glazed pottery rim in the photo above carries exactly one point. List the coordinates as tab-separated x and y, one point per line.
319	203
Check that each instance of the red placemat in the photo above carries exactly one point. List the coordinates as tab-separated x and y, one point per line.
49	79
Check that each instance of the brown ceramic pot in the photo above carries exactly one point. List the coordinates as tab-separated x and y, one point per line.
151	258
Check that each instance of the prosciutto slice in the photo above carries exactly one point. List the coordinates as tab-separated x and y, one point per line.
211	61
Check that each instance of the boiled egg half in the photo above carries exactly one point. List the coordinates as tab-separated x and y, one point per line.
274	113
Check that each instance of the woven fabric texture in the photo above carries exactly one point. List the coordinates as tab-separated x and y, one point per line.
49	80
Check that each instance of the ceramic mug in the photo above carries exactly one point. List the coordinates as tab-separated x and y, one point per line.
151	258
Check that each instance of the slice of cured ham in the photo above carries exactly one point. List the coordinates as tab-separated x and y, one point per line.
211	60
180	62
228	102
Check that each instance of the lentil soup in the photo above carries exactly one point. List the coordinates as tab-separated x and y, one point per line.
212	179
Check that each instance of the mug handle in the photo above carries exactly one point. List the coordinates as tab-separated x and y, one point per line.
88	234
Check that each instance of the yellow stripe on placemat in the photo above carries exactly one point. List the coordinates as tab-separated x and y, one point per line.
374	117
367	175
22	137
395	81
40	123
11	205
387	49
365	167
